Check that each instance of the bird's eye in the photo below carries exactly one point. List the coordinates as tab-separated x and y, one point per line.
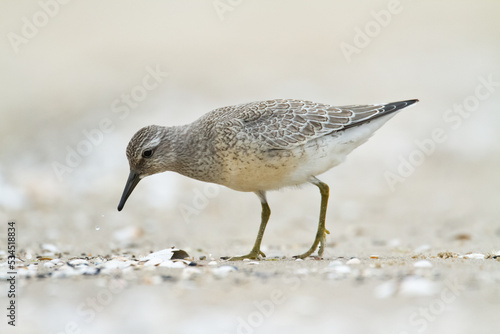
147	153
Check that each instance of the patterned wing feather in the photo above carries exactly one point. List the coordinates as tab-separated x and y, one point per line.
284	124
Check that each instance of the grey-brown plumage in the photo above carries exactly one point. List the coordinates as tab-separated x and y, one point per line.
257	147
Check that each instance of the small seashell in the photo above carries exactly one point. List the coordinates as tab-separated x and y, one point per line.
166	254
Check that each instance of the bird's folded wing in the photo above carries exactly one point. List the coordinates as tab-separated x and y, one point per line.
284	124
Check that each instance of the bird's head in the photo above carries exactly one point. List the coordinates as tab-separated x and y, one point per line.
147	154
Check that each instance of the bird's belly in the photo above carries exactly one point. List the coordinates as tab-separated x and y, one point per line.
283	168
270	170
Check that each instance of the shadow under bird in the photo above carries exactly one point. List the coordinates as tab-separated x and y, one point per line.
257	147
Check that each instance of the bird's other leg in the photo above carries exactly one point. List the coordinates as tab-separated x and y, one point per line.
255	253
322	231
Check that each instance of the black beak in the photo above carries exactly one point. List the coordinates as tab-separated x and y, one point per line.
133	179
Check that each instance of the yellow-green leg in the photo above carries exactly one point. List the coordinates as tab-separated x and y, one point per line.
322	231
255	253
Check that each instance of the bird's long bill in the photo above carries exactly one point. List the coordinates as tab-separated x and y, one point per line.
133	179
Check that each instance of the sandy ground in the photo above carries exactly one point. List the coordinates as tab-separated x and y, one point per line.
414	212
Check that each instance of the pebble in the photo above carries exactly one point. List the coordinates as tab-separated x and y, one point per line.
89	271
49	264
78	262
64	271
223	271
374	256
422	264
116	264
353	261
212	263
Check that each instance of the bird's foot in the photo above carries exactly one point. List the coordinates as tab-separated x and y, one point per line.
253	255
321	241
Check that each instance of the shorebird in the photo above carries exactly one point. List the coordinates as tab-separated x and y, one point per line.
257	147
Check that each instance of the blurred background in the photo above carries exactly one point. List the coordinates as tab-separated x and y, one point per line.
79	78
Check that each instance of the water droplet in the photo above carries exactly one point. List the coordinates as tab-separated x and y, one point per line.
97	228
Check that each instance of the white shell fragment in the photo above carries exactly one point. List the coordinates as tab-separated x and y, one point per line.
422	264
116	264
475	256
166	254
174	264
78	262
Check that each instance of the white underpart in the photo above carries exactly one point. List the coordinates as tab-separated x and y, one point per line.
330	151
320	155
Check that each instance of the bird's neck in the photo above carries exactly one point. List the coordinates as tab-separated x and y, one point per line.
192	149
